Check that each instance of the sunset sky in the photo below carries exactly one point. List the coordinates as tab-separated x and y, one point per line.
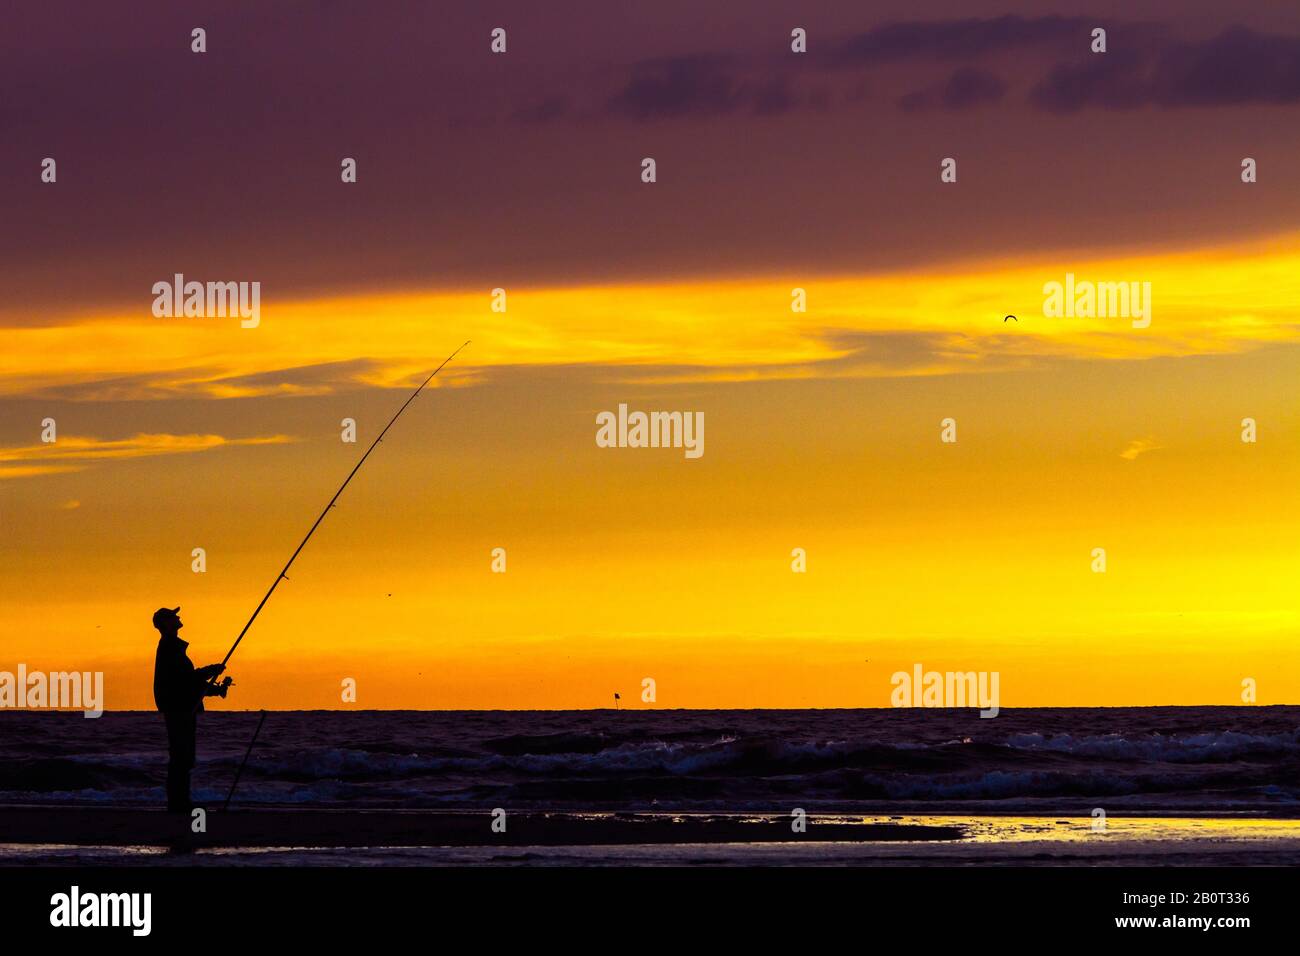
775	171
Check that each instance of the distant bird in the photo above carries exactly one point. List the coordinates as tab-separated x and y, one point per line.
1009	317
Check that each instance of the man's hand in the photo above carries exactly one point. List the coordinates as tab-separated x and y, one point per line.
211	671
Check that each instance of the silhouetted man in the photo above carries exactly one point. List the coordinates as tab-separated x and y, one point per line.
178	691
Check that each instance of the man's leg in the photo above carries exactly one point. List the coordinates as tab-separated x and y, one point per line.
181	729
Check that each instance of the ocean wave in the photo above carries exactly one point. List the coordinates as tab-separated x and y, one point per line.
1204	747
1217	756
556	756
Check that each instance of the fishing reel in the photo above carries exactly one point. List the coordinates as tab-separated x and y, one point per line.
223	686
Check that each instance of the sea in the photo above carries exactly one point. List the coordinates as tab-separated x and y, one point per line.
1025	775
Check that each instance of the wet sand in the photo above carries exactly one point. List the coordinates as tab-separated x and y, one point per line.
265	837
322	828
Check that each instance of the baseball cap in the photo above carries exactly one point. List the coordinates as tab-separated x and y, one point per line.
165	614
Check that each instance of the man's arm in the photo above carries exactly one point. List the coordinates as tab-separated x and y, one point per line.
217	690
206	677
202	677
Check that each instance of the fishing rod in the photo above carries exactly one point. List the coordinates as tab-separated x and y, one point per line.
240	772
283	575
284	572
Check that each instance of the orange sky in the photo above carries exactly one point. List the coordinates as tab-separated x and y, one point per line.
822	433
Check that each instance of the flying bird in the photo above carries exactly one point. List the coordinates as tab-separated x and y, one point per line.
1009	317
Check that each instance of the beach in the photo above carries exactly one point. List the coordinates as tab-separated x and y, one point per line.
409	838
